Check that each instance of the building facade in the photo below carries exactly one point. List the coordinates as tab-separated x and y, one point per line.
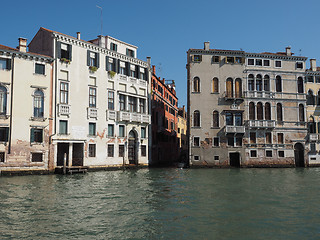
182	134
101	96
245	109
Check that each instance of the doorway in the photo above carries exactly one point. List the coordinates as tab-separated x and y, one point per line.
299	155
77	154
234	159
132	150
62	149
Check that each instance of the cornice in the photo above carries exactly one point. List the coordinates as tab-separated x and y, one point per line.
28	56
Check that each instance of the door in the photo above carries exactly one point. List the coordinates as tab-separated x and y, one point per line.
299	155
62	149
234	159
77	154
132	152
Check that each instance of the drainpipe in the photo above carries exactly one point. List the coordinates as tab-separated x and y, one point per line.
11	103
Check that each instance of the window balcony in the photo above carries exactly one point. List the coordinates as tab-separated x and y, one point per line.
111	115
92	112
261	123
233	96
259	94
64	109
122	77
132	80
313	137
235	129
143	82
133	117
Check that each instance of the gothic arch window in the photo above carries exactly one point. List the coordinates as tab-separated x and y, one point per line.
311	125
301	113
196	84
259	111
267	111
38	104
251	82
252	111
259	83
279	112
238	88
215	118
3	100
266	83
310	97
229	87
215	85
300	85
196	118
278	84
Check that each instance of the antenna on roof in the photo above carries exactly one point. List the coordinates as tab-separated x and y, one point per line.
160	68
300	52
100	17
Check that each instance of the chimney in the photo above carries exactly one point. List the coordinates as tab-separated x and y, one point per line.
22	45
288	51
149	61
102	41
154	69
78	35
313	64
206	45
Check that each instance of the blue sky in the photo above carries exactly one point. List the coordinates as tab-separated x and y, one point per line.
165	30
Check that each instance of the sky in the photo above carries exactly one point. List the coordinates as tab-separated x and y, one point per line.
166	29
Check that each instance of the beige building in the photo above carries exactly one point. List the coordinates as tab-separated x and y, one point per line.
101	114
245	109
25	112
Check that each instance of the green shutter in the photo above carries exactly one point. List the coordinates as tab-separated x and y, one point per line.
9	64
70	52
7	134
137	71
88	58
127	69
32	135
107	61
98	60
146	74
58	50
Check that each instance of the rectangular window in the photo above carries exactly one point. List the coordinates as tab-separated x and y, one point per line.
252	137
142	75
317	79
110	130
312	147
64	92
238	141
310	79
268	138
65	51
281	153
121	150
278	64
143	132
238	60
196	141
258	62
216	158
142	105
196	158
122	101
113	47
5	64
40	69
143	150
4	133
266	63
216	59
253	153
92	129
251	61
230	59
197	58
121	131
92	97
92	58
299	65
216	141
130	53
110	150
268	153
280	138
111	100
36	135
230	141
132	104
63	127
92	150
36	157
2	156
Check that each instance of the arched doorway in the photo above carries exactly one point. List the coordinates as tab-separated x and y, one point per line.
132	152
299	155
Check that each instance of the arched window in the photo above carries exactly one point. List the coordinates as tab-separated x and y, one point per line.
266	83
196	84
229	88
278	84
251	82
215	119
310	98
279	112
38	104
318	98
259	111
311	125
196	118
300	85
267	111
301	113
215	85
259	83
3	100
252	111
238	88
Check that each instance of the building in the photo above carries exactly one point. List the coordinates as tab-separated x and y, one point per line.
164	121
26	80
182	134
101	96
245	109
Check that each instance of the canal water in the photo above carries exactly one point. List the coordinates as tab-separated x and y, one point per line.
163	204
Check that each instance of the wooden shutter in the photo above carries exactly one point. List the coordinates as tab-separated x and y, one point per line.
118	65
115	65
7	134
32	135
107	61
70	52
146	74
137	71
58	49
127	68
98	59
9	64
88	58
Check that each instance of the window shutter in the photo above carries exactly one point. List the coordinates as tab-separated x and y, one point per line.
127	69
98	60
88	58
127	52
115	65
146	74
107	61
118	65
7	134
243	60
70	52
32	135
137	71
41	137
191	58
9	64
58	50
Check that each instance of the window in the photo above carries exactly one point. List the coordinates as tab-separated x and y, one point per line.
36	135
216	157
197	58
266	63
111	64
143	132
92	97
310	79
4	133
92	129
230	59
110	130
5	64
196	141
281	153
268	138
121	131
122	101
3	100
238	88
251	82
310	98
196	118
317	79
318	98
229	119
278	84
110	100
40	69
142	105
266	83
215	119
312	147
196	158
216	141
92	59
258	62
280	138
113	47
251	61
311	125
143	150
38	104
299	65
267	111
36	157
278	64
230	141
268	153
132	104
259	83
65	51
215	85
229	85
253	136
63	127
2	156
279	112
253	153
110	150
64	92
92	150
142	76
301	113
238	119
259	111
238	141
239	60
130	53
252	111
121	150
215	59
196	84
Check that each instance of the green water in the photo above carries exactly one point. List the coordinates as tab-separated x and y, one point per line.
163	204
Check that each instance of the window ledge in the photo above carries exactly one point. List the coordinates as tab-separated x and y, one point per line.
196	92
39	119
63	134
4	116
40	74
36	143
196	127
215	127
92	136
216	93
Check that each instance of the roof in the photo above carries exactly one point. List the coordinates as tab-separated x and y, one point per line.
3	47
7	48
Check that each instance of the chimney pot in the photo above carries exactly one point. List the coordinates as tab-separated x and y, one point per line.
313	64
22	44
288	51
206	45
102	41
78	35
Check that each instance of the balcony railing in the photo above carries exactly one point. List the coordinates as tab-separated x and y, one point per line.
259	94
313	137
235	129
122	77
92	112
261	123
134	117
64	109
233	96
132	80
111	115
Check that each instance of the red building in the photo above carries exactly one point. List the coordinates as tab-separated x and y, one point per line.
164	104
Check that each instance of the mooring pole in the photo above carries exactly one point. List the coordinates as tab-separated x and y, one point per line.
65	164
